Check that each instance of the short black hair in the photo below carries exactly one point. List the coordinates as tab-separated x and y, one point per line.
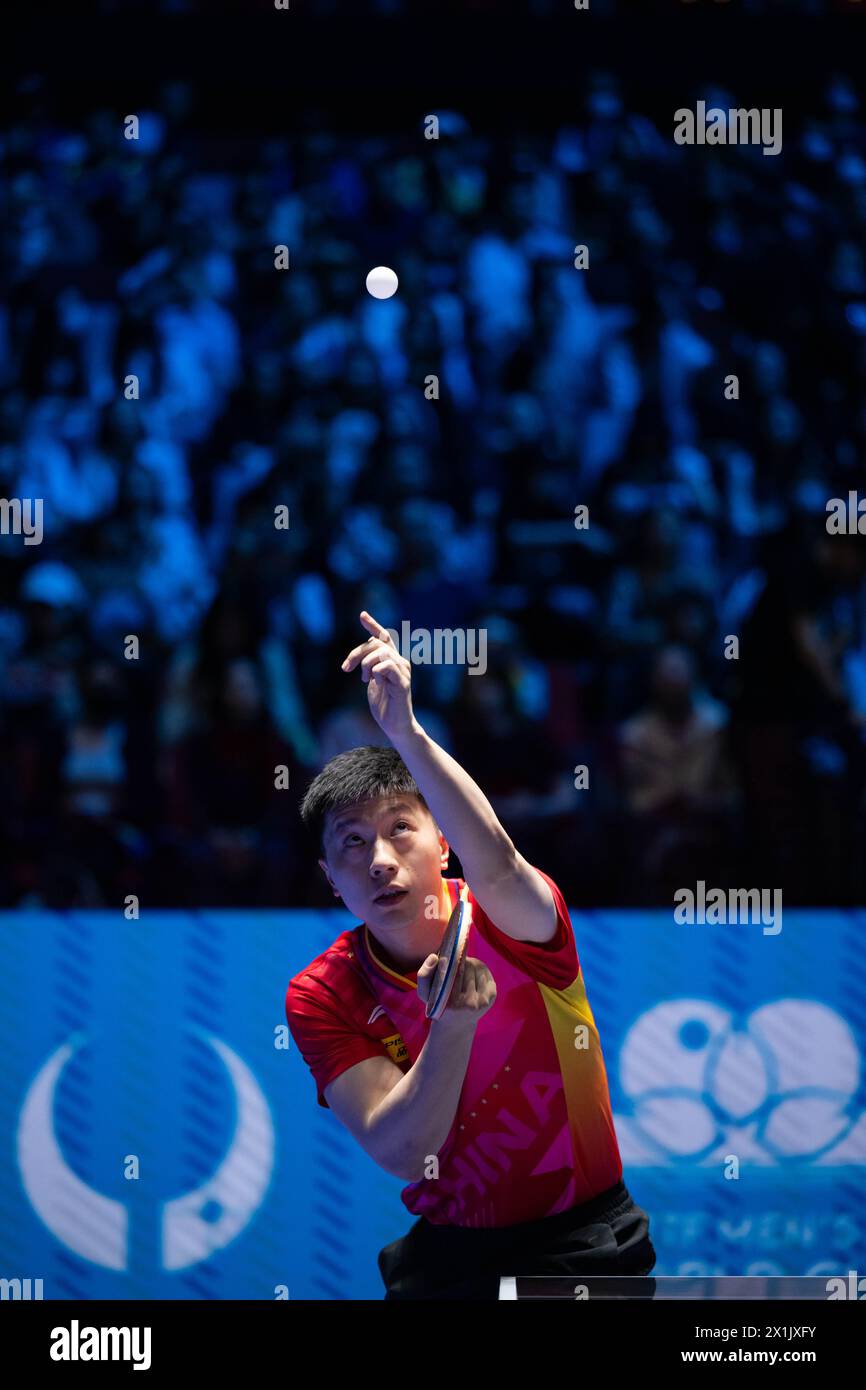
357	775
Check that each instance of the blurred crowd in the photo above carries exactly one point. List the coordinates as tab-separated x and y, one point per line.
628	746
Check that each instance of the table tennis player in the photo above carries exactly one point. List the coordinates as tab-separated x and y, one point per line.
497	1113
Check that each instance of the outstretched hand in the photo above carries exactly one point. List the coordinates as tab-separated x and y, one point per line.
388	677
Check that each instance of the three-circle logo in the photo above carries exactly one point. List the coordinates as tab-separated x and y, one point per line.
776	1088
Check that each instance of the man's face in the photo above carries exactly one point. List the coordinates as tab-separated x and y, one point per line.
388	842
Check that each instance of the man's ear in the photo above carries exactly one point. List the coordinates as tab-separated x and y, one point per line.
445	851
323	865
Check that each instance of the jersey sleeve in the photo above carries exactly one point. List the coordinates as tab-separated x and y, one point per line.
327	1040
554	962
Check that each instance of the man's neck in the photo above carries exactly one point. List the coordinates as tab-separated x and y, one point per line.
415	943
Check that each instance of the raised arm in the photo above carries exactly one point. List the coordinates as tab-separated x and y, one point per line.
512	894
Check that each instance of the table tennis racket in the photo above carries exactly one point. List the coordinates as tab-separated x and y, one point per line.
450	953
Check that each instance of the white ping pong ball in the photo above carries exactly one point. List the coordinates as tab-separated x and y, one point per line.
382	282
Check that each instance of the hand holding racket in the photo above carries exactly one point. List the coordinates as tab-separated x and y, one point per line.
452	981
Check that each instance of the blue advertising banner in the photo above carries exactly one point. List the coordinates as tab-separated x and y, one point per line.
161	1137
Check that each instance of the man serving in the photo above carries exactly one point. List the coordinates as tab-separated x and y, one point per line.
497	1113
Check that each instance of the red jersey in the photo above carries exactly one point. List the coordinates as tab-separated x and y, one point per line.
533	1133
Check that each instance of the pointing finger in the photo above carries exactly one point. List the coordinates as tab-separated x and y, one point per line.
375	627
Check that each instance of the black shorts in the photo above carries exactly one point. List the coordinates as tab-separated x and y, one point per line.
607	1235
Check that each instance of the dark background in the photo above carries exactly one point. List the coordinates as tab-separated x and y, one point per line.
558	388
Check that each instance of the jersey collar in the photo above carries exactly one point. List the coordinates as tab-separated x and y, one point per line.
409	980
